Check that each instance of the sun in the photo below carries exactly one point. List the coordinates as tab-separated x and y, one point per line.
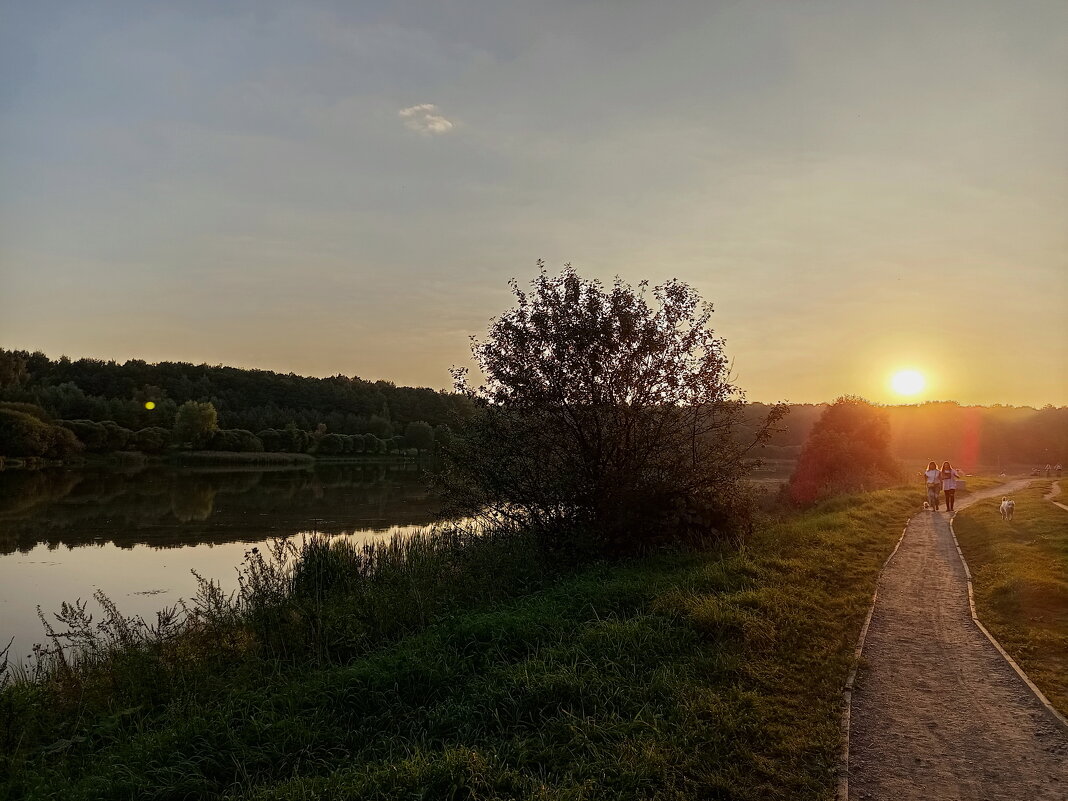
908	382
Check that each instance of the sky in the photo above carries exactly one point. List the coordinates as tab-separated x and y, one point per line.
340	187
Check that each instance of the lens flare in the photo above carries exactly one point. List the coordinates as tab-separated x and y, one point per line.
150	405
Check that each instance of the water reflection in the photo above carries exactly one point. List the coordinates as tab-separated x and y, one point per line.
167	507
136	534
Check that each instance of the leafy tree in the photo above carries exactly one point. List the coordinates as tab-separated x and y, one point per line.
419	435
606	414
379	426
194	423
847	450
299	440
12	368
442	436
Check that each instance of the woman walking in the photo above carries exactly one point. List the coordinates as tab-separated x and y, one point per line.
949	475
933	477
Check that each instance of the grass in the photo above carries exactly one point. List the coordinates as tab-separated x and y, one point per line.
1020	576
713	675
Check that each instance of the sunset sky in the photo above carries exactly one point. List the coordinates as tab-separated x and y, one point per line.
328	187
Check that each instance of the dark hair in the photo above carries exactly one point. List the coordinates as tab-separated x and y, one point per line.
946	465
932	466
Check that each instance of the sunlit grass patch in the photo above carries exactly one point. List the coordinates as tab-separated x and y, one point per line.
1020	574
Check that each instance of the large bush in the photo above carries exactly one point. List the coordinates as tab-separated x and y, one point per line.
274	441
22	434
330	445
284	440
847	450
93	435
153	439
606	419
105	437
235	440
32	409
118	437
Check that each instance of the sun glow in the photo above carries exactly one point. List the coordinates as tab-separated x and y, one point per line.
908	382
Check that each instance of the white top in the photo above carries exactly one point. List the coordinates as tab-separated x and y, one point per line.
951	483
932	476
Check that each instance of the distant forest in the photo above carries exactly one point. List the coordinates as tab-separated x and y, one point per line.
259	400
940	430
92	389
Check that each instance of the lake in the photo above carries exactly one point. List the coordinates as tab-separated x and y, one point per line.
137	533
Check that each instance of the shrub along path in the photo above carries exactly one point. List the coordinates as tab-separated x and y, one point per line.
938	713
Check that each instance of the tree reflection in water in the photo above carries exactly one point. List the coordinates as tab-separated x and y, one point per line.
164	506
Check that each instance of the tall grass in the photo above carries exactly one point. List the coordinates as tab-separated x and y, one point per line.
319	601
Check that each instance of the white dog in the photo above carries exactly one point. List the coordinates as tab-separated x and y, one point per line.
1007	507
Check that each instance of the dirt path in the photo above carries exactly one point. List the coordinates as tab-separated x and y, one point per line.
1055	492
937	712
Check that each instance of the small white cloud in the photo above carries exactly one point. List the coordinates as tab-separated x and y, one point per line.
425	119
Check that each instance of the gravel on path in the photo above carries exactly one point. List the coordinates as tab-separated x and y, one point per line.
937	712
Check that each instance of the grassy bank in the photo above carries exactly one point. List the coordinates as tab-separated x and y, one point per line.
1020	575
712	675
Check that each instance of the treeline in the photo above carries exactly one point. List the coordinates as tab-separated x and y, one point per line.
970	435
986	435
59	408
26	430
341	415
253	400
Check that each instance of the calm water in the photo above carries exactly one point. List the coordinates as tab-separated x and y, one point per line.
136	534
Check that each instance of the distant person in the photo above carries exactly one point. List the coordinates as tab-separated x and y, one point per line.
933	477
1048	469
949	475
1057	467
